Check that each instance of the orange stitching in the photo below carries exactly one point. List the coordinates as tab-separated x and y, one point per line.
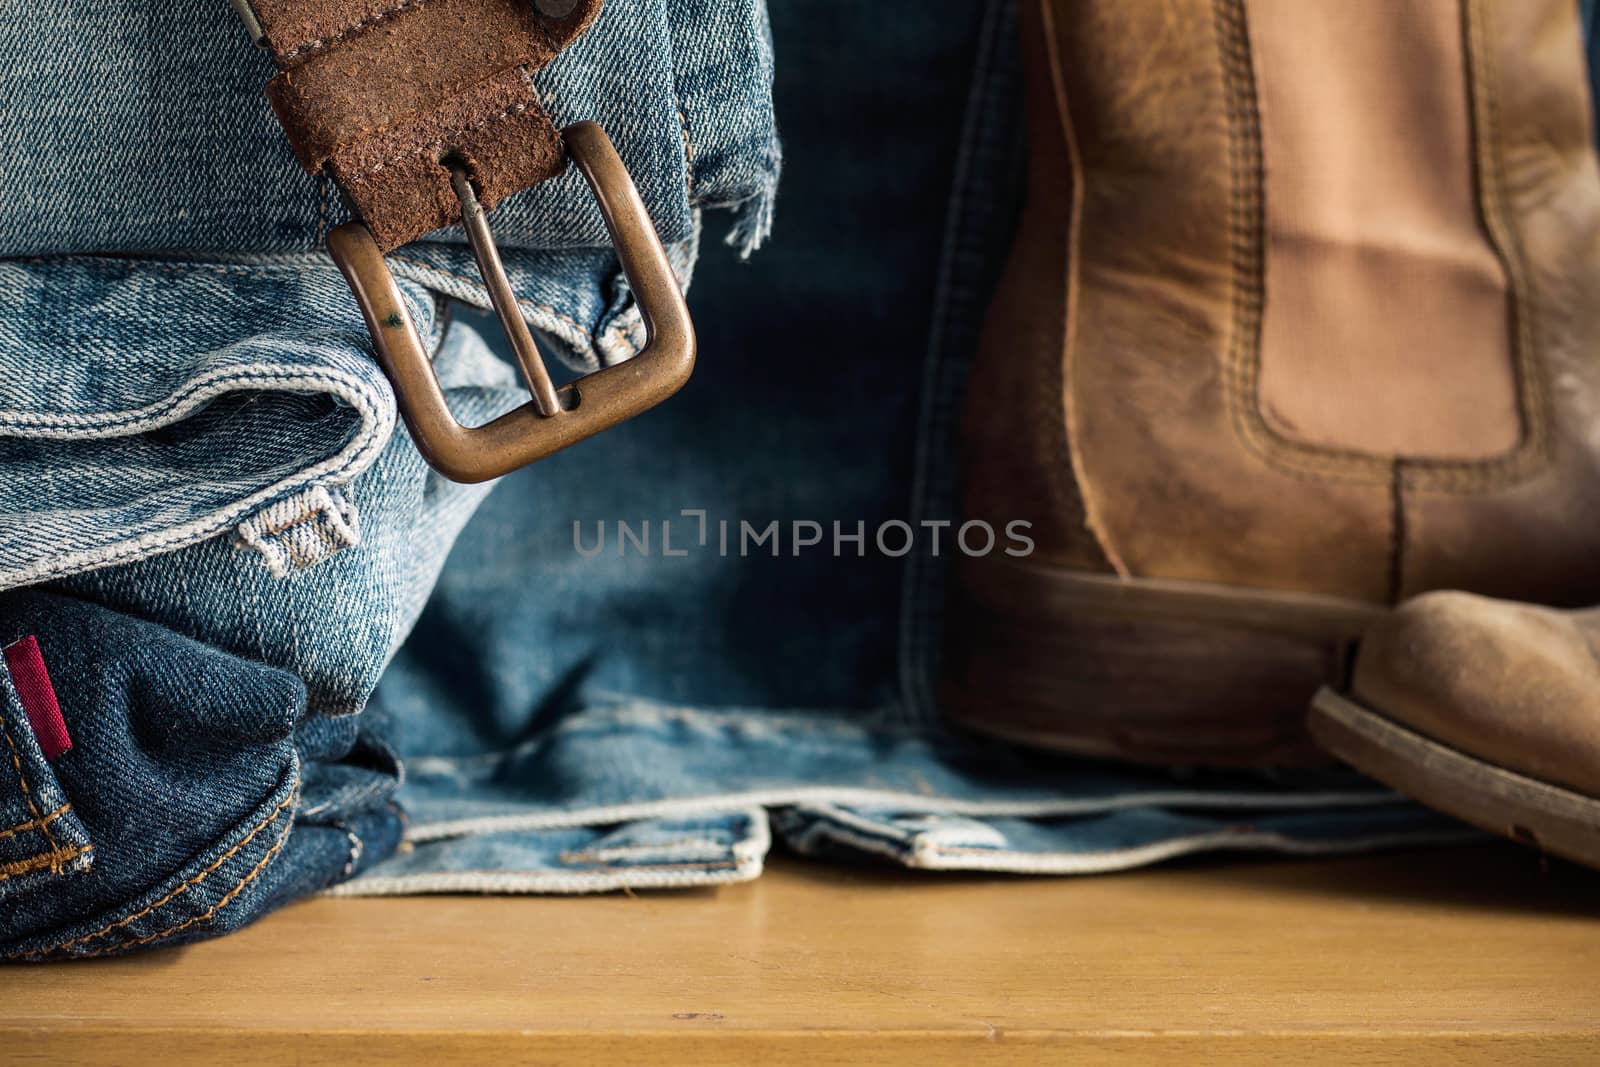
35	824
279	527
196	880
227	899
326	538
16	761
56	860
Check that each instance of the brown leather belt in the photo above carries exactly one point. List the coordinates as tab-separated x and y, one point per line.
424	114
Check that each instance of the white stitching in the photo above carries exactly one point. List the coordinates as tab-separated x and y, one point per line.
349	31
63	426
356	849
873	798
277	532
354	458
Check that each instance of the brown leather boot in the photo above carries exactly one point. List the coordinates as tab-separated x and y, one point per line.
1485	709
1302	319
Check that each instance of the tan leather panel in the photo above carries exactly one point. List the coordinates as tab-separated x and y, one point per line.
1116	400
1386	325
1531	529
1166	201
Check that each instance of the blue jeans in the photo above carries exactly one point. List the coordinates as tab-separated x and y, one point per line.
292	659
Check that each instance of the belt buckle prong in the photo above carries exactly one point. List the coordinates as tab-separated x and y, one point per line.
555	418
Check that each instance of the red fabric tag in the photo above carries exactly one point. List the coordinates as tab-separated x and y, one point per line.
38	696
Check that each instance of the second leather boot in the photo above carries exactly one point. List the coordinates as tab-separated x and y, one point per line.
1485	709
1301	320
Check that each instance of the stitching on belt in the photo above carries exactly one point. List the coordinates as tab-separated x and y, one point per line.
349	31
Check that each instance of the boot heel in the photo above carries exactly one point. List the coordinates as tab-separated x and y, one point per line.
1144	670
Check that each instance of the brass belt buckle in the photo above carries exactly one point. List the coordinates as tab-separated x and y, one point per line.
555	418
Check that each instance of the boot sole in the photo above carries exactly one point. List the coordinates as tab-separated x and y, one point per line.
1143	670
1545	816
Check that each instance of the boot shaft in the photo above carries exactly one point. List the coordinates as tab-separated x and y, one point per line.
1300	321
1305	279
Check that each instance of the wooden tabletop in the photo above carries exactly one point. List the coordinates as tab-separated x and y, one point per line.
1467	955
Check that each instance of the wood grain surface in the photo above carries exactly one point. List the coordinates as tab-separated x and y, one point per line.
1474	955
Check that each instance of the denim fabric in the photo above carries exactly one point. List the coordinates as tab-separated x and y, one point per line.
139	127
611	696
1587	10
171	813
294	659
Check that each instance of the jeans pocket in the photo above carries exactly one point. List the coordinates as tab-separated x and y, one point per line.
42	839
202	899
183	771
